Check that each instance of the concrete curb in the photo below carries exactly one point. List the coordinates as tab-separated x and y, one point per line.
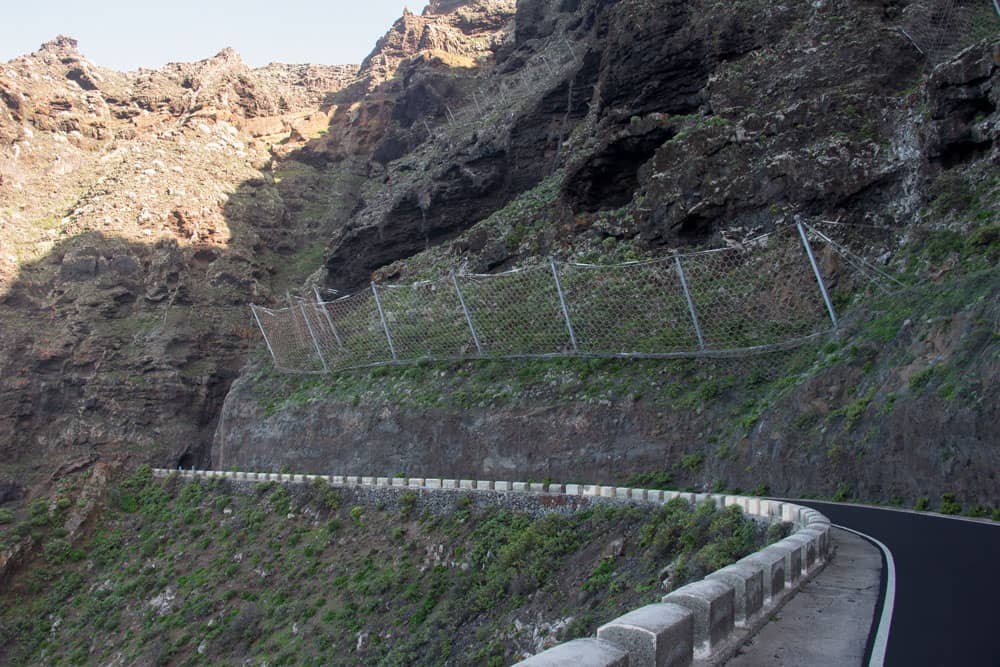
701	623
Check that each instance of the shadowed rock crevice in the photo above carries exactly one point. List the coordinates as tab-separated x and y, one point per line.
98	367
610	177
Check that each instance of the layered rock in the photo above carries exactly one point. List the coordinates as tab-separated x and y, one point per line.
138	216
662	125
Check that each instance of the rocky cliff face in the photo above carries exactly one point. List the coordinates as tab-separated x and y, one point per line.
624	129
125	256
141	212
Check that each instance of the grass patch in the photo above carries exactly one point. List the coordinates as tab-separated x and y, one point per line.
210	572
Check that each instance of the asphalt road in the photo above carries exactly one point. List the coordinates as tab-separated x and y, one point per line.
946	610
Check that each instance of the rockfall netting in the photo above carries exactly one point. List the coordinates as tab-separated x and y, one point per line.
761	295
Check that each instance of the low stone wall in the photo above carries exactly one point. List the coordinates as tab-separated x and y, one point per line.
702	623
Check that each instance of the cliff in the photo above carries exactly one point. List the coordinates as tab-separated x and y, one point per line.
141	213
612	131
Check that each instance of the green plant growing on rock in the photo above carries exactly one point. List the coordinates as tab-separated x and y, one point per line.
407	503
949	505
657	479
692	462
601	576
844	492
357	514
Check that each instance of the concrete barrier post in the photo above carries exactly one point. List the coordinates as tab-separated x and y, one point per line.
712	605
580	653
772	562
793	560
747	582
657	635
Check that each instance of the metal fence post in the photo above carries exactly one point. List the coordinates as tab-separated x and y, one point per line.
385	325
690	302
312	334
264	333
572	53
329	320
562	302
468	316
300	335
816	272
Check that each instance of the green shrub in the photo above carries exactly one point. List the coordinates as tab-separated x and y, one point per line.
921	379
985	240
126	502
407	503
38	513
59	550
949	505
923	504
601	575
692	462
323	495
843	492
6	516
281	501
656	479
357	512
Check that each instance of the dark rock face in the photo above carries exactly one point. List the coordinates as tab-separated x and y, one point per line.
817	144
124	268
558	442
696	118
605	444
609	178
655	59
963	94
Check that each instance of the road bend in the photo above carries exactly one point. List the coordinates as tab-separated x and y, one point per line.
946	607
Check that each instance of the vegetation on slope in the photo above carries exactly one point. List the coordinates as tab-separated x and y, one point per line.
925	350
178	572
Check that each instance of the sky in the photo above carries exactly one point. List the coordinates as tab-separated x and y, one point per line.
128	35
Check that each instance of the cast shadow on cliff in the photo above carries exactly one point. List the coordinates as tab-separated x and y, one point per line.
121	349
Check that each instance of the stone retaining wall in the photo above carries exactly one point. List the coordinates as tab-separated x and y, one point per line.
702	623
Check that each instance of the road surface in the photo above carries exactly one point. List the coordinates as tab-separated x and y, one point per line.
946	608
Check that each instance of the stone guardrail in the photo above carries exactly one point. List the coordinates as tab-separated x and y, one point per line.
702	623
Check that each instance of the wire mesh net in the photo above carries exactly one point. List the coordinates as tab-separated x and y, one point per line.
941	28
632	308
760	296
354	333
288	339
427	320
517	313
853	258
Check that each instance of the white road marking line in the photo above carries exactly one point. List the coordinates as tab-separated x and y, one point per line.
882	634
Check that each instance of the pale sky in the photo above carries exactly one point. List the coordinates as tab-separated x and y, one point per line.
128	35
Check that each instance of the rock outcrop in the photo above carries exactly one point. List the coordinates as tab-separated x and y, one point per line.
140	212
656	126
127	254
